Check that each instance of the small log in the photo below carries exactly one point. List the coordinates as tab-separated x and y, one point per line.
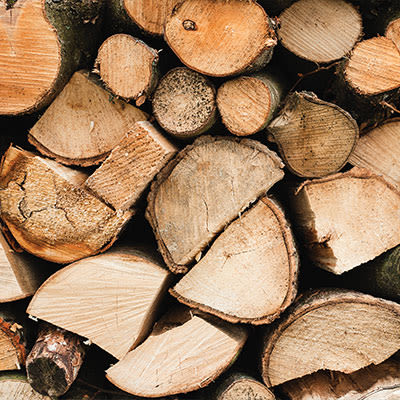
128	67
197	35
54	361
375	382
255	251
203	189
14	386
315	138
38	50
248	103
84	123
111	299
336	215
320	30
131	166
330	329
184	103
49	214
185	352
392	31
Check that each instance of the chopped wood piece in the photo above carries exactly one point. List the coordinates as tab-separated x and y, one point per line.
374	66
54	361
38	51
203	189
247	103
14	386
320	30
315	138
110	299
330	329
393	32
84	123
128	67
49	214
379	151
179	356
220	38
255	252
184	103
131	166
347	219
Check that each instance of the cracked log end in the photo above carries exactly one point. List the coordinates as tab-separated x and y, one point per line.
49	214
204	188
332	329
250	272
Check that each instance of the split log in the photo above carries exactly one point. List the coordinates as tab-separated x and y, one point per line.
243	41
49	214
330	329
14	386
131	166
315	138
255	251
203	189
111	299
41	45
54	361
375	382
185	352
184	103
128	67
248	103
335	217
320	30
84	123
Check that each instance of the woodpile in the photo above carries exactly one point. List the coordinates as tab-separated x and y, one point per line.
200	199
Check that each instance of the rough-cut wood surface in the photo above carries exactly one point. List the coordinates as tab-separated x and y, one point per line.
320	30
110	299
131	166
203	189
393	32
128	67
375	382
315	138
54	361
379	151
250	272
247	103
347	219
330	329
84	123
14	386
220	38
184	103
48	212
179	356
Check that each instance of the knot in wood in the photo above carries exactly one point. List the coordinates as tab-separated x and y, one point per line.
189	25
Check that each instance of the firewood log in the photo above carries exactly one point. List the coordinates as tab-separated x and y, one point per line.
14	386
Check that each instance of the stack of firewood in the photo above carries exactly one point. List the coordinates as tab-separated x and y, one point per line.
148	250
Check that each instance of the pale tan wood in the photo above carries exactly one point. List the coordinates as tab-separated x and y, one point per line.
179	357
184	103
84	123
320	30
110	299
374	66
220	38
330	329
49	214
250	272
203	189
14	386
393	32
315	138
131	166
247	103
128	67
375	382
379	151
347	219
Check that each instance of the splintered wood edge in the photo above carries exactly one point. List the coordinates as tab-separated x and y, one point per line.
311	301
16	339
292	278
163	175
